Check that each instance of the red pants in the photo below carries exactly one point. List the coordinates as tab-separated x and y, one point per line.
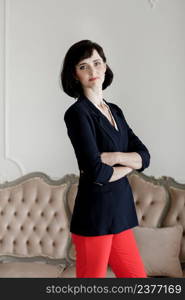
94	253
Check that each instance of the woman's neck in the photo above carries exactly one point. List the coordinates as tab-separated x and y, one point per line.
94	96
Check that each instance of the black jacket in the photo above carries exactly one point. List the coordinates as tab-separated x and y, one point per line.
101	207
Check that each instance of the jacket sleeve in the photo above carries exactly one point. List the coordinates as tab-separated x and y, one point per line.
82	134
136	145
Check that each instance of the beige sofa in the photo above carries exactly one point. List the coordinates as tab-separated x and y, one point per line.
35	213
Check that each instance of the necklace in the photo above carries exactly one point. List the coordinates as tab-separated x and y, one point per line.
110	113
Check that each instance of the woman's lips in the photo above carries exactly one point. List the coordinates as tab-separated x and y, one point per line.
93	78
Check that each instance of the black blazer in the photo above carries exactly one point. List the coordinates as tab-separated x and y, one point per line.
101	207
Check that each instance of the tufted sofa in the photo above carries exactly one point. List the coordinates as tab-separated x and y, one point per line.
35	213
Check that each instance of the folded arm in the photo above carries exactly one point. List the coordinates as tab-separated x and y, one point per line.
137	155
129	159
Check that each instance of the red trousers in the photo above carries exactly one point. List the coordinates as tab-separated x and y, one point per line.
95	253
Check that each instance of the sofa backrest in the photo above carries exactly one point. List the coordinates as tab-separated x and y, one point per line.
35	212
151	199
33	218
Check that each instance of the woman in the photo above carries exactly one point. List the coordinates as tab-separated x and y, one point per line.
107	150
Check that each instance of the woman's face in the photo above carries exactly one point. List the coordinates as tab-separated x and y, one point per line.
91	71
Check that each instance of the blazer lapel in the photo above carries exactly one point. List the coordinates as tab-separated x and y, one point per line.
102	120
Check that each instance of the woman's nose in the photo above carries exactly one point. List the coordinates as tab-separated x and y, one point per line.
91	70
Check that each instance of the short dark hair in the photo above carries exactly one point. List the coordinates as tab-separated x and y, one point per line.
78	51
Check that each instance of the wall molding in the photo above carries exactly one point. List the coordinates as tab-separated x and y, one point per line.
153	3
9	165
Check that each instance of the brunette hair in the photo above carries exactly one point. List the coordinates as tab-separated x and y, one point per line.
78	51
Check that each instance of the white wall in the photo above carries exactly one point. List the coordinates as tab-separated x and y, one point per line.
145	47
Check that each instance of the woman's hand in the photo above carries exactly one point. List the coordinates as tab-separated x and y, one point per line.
110	158
128	159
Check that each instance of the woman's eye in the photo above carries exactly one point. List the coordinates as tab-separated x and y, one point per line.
85	67
82	67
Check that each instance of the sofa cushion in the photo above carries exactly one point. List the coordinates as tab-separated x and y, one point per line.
159	249
70	272
176	213
30	270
